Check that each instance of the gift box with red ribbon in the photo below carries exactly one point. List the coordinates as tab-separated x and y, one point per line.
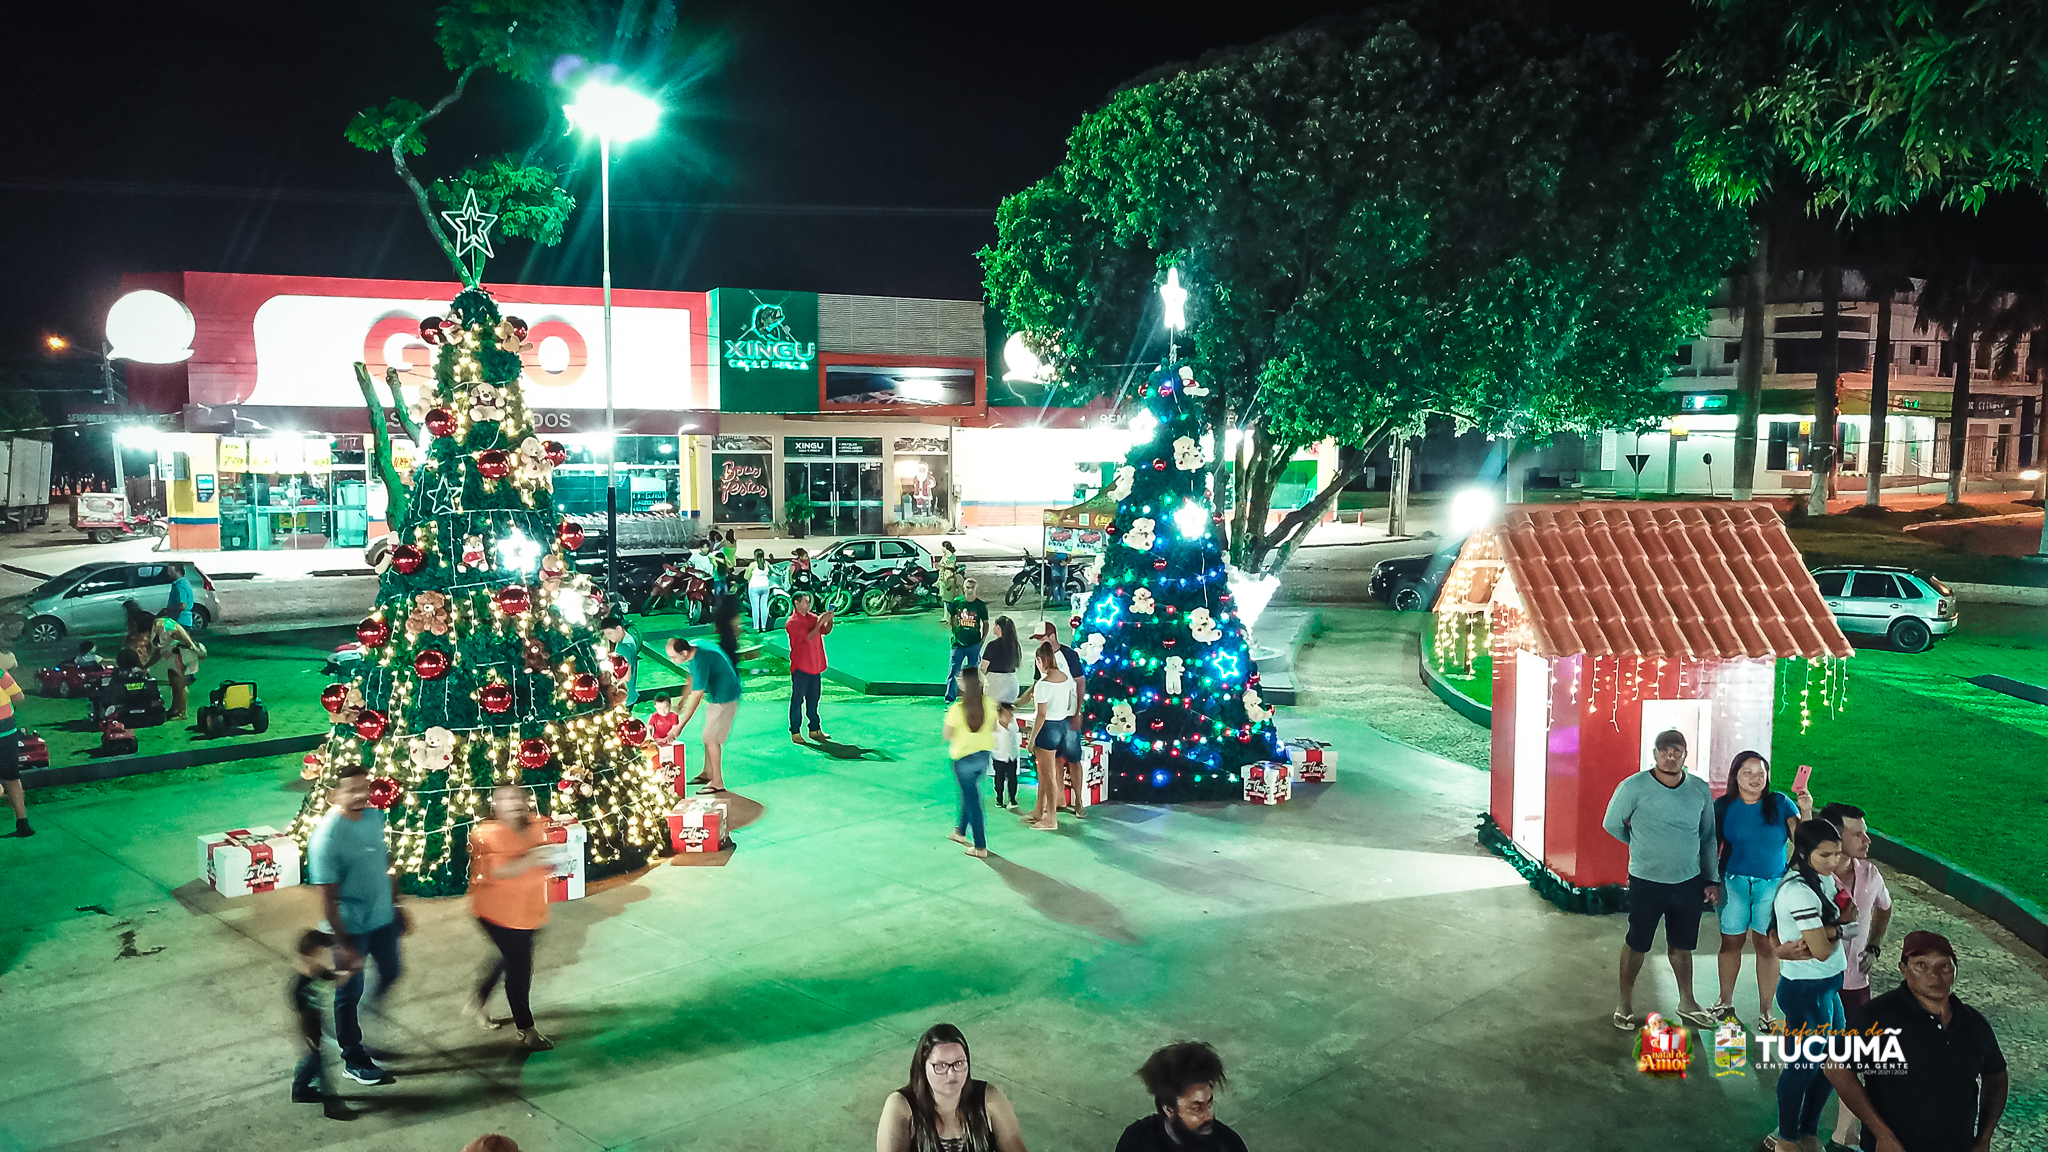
698	826
1314	762
245	860
1094	776
1266	782
565	880
672	765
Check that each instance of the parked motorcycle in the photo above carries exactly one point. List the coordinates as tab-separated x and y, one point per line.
1033	576
681	587
906	588
835	588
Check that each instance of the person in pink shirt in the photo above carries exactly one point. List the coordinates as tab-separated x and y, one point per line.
807	631
1866	888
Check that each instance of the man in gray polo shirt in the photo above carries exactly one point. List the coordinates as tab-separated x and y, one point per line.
348	860
1666	817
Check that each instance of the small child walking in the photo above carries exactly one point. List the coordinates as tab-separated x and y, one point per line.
306	996
666	727
1006	754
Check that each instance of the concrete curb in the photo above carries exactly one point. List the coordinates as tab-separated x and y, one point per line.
115	767
2021	917
2001	594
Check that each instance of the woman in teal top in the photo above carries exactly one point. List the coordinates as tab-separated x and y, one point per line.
1755	826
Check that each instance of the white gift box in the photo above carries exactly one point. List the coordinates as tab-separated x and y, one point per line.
565	881
698	826
1266	782
1094	776
245	860
1313	764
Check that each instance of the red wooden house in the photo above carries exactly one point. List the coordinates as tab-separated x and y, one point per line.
1611	622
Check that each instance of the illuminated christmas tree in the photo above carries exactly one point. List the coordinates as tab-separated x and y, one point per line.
1171	682
481	661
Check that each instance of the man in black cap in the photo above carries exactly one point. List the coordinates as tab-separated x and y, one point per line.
1926	1096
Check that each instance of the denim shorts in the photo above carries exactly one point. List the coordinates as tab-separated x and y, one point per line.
1746	903
1060	738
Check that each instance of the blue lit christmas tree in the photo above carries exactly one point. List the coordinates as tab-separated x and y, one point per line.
1171	683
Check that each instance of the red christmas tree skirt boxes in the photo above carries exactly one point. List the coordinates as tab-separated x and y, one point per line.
1094	777
672	764
1266	782
245	860
565	882
1313	762
698	826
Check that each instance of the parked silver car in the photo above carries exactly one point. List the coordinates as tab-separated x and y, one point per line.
1908	607
87	601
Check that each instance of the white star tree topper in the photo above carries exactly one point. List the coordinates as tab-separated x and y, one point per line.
472	227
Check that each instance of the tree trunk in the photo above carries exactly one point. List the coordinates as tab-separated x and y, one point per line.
1880	400
1821	450
1959	416
1281	542
1749	365
1512	488
1400	458
396	496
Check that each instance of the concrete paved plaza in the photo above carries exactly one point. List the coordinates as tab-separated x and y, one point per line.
1372	978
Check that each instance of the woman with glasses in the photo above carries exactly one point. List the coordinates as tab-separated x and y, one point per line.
943	1109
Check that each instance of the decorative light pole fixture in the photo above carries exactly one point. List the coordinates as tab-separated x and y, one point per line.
1175	299
610	113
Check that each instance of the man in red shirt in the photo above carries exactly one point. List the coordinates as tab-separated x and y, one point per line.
807	632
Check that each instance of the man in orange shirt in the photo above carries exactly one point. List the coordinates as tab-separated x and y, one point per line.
10	746
509	858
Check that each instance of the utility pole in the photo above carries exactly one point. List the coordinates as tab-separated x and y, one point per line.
1401	459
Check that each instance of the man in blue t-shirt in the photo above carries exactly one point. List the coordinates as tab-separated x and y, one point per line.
179	606
712	683
348	860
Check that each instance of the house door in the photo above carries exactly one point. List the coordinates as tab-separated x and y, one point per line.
1532	746
1693	718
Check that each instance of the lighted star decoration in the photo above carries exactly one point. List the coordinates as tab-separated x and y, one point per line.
472	227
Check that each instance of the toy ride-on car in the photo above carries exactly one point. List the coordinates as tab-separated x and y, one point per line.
116	738
233	705
74	679
35	751
134	698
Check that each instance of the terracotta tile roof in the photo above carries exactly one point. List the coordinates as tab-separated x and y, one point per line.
1695	581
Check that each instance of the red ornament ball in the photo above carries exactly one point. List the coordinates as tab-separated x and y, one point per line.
633	732
557	453
371	724
519	328
440	422
619	667
408	558
570	534
430	329
384	792
333	696
496	698
514	600
583	688
534	753
1159	564
373	632
494	464
1159	465
431	664
1159	725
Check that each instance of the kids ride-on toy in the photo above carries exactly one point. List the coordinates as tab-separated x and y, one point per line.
35	751
135	698
74	679
116	738
233	705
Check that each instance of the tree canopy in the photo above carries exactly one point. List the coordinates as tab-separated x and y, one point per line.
1418	211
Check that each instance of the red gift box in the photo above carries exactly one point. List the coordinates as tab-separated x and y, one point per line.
245	860
697	826
1266	782
673	766
1094	776
1313	763
565	882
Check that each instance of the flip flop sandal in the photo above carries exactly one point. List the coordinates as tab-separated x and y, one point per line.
1627	1022
1699	1018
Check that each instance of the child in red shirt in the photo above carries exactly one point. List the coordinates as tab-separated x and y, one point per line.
666	728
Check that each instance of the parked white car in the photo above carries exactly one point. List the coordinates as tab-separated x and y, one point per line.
86	601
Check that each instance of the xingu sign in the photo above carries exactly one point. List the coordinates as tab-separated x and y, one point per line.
768	350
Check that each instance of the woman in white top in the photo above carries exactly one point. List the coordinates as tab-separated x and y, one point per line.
759	588
1807	909
1055	700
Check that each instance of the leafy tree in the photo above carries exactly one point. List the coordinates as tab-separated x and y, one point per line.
1419	211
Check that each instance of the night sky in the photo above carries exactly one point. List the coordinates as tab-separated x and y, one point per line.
207	136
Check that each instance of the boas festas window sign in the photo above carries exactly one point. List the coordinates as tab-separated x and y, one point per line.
767	350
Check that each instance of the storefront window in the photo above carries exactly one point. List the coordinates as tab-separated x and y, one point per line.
924	482
650	476
279	492
843	475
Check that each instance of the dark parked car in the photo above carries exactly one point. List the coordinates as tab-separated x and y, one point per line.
1410	583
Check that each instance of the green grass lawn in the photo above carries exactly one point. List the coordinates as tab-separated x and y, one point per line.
1880	538
1473	679
1939	762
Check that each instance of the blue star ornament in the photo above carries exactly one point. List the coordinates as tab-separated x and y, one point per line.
472	227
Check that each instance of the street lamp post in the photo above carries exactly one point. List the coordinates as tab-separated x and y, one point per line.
611	113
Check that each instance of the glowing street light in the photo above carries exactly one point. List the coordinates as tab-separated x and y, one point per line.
610	113
1174	299
56	343
1471	510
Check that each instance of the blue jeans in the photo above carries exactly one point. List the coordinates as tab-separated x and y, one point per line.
379	946
804	689
1803	1087
757	600
968	770
968	655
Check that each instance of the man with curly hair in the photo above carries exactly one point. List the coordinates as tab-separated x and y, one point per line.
1183	1078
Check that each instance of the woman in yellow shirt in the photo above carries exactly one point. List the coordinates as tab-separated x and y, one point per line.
10	746
970	731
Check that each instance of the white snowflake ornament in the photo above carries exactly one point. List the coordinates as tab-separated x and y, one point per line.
1140	534
1141	602
1202	626
1187	454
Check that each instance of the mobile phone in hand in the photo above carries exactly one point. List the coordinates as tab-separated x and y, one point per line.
1800	778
